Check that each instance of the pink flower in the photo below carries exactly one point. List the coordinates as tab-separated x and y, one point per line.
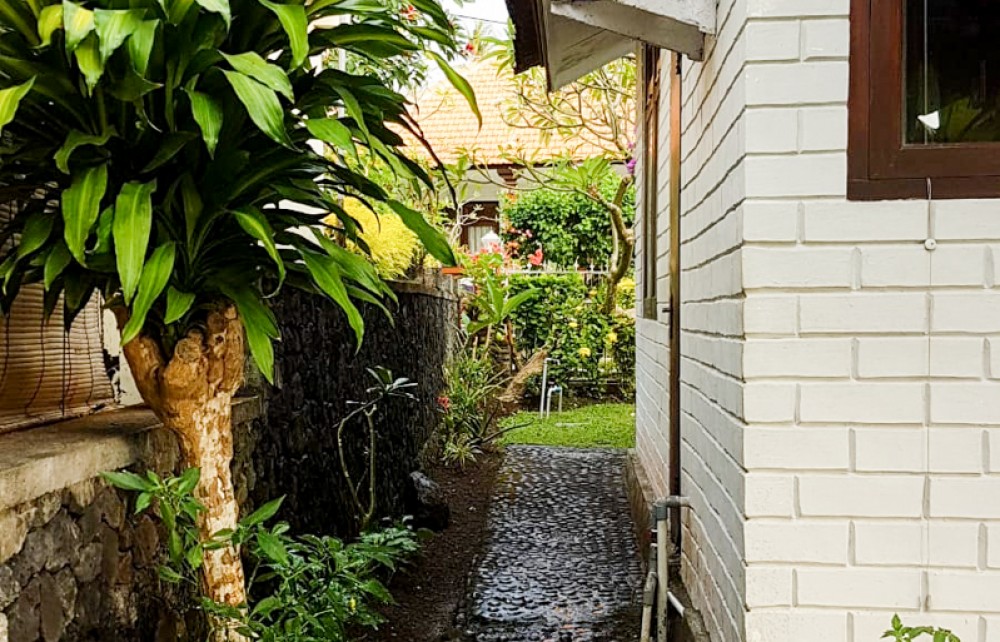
528	234
444	402
630	166
537	258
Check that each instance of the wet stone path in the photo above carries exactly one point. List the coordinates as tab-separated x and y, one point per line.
560	563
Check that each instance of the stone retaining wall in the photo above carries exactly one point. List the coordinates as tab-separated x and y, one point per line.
75	563
321	371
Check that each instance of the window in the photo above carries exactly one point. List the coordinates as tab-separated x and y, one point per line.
650	69
925	99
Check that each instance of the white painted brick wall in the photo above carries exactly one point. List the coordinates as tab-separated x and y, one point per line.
840	383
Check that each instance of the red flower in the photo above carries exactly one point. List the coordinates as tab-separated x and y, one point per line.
537	258
444	402
409	12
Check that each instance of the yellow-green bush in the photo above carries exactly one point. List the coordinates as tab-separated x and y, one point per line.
393	246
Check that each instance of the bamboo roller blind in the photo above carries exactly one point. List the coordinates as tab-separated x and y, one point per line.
48	374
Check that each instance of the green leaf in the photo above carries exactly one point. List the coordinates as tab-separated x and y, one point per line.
178	304
155	276
130	87
255	224
334	132
262	104
432	238
208	114
296	25
171	145
194	557
57	261
326	273
76	139
220	7
36	232
78	23
10	100
260	325
104	223
264	513
88	58
114	27
252	65
131	228
272	547
460	83
188	481
81	204
140	45
128	481
49	20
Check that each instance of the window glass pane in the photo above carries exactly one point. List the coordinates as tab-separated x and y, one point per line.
952	71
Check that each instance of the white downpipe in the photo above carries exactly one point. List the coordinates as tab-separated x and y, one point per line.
662	557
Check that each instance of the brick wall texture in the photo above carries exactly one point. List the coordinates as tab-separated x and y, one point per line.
840	382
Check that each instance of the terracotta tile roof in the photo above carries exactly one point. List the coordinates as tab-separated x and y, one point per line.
453	131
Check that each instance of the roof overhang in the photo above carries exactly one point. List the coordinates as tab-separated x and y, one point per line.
574	37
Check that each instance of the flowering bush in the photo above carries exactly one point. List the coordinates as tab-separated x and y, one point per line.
571	228
592	348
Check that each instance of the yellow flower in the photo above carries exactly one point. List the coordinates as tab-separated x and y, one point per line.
584	352
573	325
592	293
353	604
612	337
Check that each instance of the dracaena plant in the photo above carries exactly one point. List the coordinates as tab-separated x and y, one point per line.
163	154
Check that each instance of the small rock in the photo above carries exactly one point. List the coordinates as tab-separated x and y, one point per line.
37	550
147	542
65	536
23	618
3	628
46	508
53	618
88	562
66	591
80	495
9	589
427	503
109	555
14	526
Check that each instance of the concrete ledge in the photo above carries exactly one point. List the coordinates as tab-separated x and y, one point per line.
47	459
640	498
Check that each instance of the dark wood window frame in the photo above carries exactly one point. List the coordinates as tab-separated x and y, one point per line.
650	68
879	165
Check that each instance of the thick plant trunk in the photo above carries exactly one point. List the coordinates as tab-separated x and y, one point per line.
510	400
192	393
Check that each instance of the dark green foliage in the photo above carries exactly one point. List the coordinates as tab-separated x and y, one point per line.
306	588
592	348
568	226
171	139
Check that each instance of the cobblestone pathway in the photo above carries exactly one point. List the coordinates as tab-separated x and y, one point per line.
561	563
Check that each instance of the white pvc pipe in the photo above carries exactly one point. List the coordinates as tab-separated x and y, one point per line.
662	557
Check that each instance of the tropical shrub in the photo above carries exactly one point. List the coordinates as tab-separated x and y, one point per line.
158	152
568	226
306	589
387	242
468	407
589	348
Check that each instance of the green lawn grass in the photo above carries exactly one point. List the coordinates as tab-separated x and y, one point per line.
610	425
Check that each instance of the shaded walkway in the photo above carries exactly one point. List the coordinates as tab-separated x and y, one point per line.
560	562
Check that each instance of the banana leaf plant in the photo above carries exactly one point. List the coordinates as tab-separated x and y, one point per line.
162	153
